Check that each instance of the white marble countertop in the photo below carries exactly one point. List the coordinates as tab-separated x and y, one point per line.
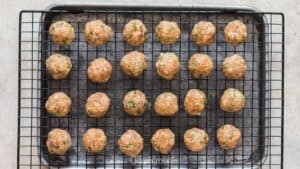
9	70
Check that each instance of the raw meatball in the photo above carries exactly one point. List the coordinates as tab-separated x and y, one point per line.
99	71
131	143
203	33
163	140
167	65
97	105
195	139
133	63
94	140
97	32
135	103
234	67
62	33
235	32
200	65
135	32
58	104
58	142
166	104
58	66
167	32
195	102
228	136
232	100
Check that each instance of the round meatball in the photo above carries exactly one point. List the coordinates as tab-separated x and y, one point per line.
232	100
135	103
166	104
200	65
167	32
203	33
58	66
163	140
99	70
235	32
94	140
234	67
131	143
228	136
58	142
167	65
133	63
195	102
135	32
195	139
62	33
97	105
58	104
97	32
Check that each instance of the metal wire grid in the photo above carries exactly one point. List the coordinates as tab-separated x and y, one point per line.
261	121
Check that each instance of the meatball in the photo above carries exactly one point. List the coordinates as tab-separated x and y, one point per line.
135	32
58	104
195	102
167	65
163	140
203	33
97	105
166	104
58	142
234	67
135	103
62	33
167	32
200	65
228	136
99	70
195	139
97	32
235	32
232	100
94	140
58	66
133	63
131	143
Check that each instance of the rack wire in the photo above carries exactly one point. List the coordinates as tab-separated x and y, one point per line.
261	121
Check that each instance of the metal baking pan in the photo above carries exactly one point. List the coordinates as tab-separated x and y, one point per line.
251	120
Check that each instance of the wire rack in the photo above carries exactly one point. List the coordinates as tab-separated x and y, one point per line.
261	121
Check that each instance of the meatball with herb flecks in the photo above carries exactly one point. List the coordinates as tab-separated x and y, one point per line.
131	143
167	32
135	102
163	140
195	102
94	140
200	65
135	32
232	100
58	104
195	139
62	33
235	32
99	70
97	32
133	63
58	141
228	136
58	66
203	33
167	65
234	67
97	105
166	104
